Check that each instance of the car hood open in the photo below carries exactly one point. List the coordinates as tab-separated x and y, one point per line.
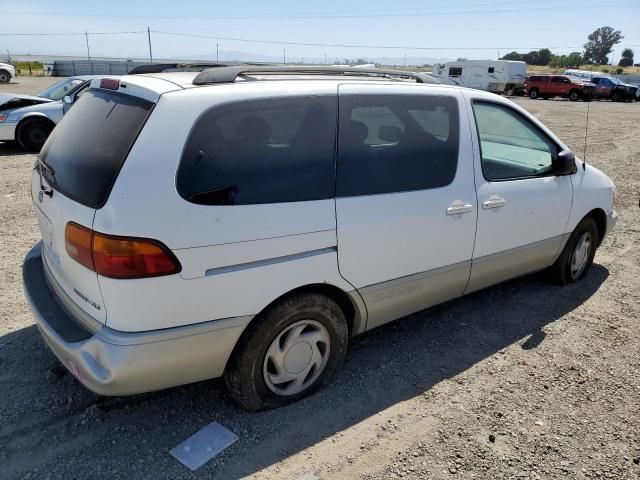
18	100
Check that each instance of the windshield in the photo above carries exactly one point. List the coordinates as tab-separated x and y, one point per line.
60	89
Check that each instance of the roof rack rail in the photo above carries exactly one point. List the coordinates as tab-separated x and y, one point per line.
228	74
183	66
163	67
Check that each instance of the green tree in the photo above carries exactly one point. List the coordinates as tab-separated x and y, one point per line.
514	56
627	58
600	43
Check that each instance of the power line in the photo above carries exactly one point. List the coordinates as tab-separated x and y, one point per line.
61	34
344	45
421	12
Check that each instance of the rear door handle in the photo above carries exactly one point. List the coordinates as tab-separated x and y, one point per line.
457	209
495	202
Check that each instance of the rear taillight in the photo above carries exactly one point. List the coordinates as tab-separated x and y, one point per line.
119	257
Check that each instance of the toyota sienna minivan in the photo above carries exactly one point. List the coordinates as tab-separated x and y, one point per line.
247	221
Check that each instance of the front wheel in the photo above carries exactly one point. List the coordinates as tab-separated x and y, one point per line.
533	94
577	256
291	350
574	95
4	76
32	134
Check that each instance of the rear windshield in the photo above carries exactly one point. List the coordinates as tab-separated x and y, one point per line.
88	147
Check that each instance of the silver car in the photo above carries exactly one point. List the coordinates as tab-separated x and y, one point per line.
29	119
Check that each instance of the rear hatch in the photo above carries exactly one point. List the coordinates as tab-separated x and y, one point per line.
73	177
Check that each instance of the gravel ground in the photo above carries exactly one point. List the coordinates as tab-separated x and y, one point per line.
522	380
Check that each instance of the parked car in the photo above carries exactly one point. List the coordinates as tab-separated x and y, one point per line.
498	76
547	86
198	225
29	119
611	88
7	72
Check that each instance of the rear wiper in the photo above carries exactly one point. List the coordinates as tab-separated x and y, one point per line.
48	168
216	196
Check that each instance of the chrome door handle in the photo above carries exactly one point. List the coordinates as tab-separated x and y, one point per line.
459	208
496	202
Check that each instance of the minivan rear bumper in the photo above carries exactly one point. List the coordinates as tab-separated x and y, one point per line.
111	362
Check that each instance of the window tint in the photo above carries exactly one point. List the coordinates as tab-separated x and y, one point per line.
88	147
455	71
557	79
511	146
491	69
395	143
267	151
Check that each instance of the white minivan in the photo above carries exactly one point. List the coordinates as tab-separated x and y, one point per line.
247	221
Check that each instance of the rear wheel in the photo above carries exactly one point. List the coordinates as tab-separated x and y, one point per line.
577	256
295	347
534	94
4	76
33	133
509	91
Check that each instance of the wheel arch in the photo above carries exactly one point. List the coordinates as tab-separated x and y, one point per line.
35	116
600	217
350	303
30	117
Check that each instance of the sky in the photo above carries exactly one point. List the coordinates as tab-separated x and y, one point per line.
357	29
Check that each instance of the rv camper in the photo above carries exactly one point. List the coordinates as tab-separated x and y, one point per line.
498	76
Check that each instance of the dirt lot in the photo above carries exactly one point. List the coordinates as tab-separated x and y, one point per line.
523	380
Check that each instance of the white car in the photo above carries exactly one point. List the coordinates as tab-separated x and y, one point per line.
7	72
29	119
246	222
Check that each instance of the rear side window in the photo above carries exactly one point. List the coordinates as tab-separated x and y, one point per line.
455	71
87	148
396	143
266	151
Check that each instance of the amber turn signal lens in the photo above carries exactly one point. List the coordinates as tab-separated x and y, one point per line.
77	240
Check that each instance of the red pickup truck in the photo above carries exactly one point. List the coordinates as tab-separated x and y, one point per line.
547	86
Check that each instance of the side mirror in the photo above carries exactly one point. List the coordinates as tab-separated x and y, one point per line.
389	133
67	99
564	163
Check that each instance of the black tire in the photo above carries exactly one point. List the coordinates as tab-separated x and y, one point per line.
616	97
574	95
561	271
534	94
509	91
4	76
33	133
244	375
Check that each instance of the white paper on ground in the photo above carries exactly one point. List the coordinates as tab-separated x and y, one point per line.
203	445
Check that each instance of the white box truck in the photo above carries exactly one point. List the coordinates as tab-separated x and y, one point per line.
498	76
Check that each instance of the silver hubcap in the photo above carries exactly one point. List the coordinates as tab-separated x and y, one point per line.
580	255
296	357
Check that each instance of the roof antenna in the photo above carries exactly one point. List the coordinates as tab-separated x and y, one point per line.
586	132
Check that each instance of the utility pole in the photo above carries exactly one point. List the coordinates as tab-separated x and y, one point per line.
149	38
86	36
405	59
284	56
325	58
217	53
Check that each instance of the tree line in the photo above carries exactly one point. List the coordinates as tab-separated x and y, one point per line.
599	46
